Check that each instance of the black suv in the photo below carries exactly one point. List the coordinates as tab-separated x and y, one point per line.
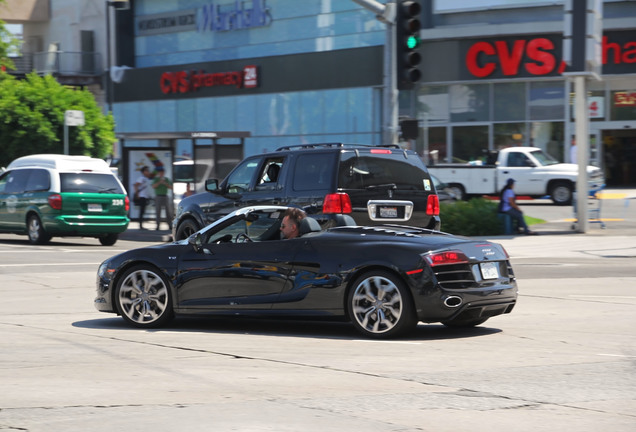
376	184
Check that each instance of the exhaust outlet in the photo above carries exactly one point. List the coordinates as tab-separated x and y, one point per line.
453	301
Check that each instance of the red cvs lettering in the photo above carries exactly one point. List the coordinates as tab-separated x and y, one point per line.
484	58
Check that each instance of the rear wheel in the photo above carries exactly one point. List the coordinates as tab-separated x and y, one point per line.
458	191
36	232
380	305
186	229
108	239
143	297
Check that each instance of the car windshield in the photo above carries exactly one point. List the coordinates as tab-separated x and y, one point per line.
544	158
90	183
257	224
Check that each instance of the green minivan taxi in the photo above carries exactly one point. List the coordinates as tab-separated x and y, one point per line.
45	196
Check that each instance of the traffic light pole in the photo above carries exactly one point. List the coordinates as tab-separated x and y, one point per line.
386	13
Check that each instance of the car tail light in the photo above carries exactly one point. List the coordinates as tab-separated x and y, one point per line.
337	203
381	151
127	204
432	205
55	201
447	257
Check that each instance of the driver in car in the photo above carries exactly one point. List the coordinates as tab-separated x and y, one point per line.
289	228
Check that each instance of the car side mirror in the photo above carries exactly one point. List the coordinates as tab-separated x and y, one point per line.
196	241
212	185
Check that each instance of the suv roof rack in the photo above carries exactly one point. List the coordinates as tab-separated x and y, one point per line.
319	145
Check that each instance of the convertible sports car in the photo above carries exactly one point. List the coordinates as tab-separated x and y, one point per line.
384	279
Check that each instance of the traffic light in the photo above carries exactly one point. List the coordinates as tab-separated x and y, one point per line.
407	32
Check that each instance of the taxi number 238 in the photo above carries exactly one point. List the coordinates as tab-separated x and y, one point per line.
118	202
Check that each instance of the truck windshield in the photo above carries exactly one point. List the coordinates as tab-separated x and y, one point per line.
543	158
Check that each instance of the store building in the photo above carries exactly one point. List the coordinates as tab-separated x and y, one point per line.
492	78
288	72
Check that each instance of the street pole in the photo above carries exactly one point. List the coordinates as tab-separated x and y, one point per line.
582	151
386	14
109	100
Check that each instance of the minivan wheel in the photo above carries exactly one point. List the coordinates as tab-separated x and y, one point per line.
186	229
380	305
36	232
108	239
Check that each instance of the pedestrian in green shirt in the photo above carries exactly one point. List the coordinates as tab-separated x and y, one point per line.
162	184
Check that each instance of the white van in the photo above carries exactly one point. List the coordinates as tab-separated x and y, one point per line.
49	195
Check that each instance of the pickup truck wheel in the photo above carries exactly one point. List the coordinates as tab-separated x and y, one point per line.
561	193
186	229
458	190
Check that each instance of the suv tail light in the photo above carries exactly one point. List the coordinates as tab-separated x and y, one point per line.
447	257
432	205
55	201
337	203
127	204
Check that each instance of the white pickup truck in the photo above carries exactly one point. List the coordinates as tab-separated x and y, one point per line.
536	174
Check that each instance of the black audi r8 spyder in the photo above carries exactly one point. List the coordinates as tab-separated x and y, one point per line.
384	279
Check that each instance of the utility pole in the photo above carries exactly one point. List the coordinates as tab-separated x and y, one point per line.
582	35
386	13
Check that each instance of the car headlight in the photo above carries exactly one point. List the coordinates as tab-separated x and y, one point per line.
104	271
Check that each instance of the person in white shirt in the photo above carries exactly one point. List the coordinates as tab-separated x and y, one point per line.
142	186
573	151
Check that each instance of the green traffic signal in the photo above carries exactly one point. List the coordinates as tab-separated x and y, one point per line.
412	42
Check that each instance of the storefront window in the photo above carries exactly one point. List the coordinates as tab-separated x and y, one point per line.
510	101
623	105
509	135
548	137
470	143
433	103
547	100
469	102
437	149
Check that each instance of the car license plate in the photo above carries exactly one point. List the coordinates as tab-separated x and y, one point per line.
388	212
489	270
94	207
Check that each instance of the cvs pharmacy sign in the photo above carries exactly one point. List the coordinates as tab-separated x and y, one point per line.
539	56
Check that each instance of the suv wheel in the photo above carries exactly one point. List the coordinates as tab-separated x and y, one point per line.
186	229
36	232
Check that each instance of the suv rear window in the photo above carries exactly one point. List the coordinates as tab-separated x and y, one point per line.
89	183
375	170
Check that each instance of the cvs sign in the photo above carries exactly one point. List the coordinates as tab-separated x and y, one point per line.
539	56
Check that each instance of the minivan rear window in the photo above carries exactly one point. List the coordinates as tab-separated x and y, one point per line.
364	171
90	183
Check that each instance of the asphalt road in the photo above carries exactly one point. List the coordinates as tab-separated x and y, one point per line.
564	358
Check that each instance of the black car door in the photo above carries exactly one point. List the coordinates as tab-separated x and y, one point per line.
234	274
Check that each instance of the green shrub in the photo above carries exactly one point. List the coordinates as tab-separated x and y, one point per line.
477	217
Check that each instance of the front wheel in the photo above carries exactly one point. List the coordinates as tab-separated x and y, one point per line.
186	229
143	297
35	231
380	305
561	193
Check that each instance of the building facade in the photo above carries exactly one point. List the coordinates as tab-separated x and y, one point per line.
493	77
297	72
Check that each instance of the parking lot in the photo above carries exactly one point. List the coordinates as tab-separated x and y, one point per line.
563	358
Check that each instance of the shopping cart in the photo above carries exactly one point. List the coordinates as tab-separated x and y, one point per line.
594	203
